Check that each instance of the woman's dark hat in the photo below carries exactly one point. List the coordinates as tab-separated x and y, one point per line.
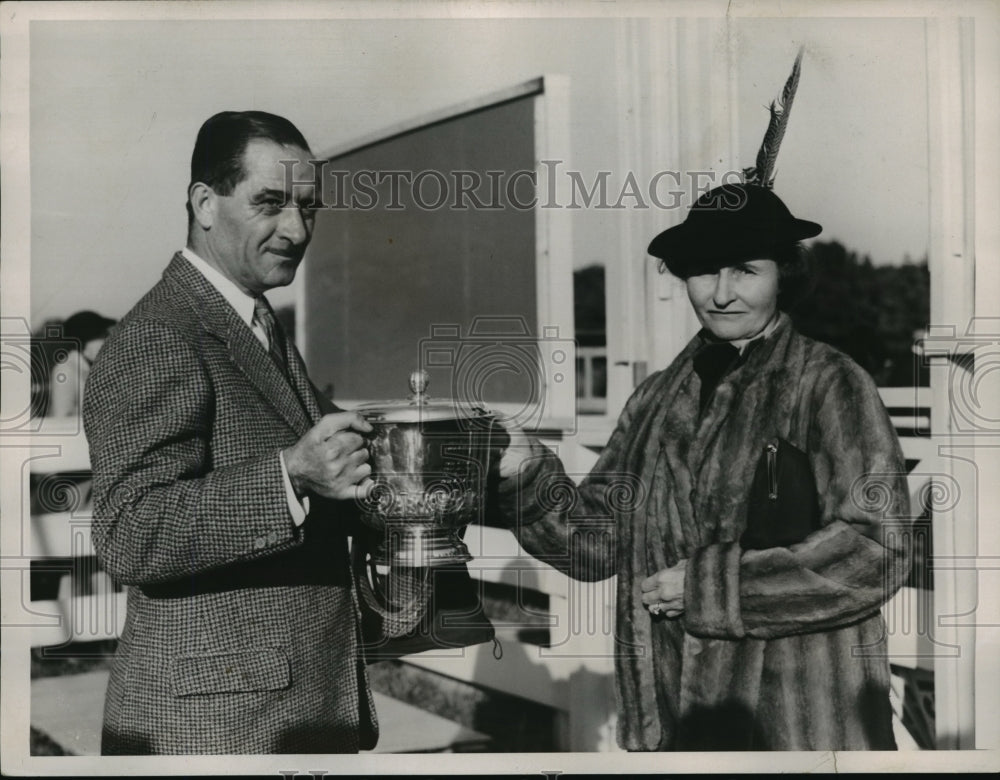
86	326
729	223
737	222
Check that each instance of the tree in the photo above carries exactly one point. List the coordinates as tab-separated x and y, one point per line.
870	312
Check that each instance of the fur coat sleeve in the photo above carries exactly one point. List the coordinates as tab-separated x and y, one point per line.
850	566
576	529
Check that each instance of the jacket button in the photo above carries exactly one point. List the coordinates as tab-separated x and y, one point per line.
272	537
259	543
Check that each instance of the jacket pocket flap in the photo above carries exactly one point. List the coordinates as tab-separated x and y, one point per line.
262	669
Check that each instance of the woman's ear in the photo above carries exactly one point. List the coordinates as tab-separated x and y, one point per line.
202	200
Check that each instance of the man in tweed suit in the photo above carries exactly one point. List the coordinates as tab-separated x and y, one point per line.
223	493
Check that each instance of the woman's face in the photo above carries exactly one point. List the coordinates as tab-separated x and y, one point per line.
738	301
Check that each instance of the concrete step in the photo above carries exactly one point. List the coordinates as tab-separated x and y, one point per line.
68	709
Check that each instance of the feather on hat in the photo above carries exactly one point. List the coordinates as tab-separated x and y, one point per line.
737	221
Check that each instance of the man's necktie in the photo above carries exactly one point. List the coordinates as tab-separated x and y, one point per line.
265	318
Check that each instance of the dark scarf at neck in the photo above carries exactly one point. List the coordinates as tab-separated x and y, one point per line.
716	359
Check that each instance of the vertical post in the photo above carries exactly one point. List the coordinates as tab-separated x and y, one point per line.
952	270
593	716
554	255
695	137
583	651
675	115
984	59
625	279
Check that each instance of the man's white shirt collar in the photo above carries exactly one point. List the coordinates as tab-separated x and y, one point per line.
239	300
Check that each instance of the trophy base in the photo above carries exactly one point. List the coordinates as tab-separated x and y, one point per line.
415	546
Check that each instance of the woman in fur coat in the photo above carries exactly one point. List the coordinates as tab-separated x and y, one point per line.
752	501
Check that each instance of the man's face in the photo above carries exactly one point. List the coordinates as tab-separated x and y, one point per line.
260	232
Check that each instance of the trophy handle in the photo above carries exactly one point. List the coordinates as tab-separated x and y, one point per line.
400	598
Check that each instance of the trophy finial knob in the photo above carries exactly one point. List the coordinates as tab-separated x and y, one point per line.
418	382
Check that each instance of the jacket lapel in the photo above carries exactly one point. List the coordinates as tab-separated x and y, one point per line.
300	381
220	320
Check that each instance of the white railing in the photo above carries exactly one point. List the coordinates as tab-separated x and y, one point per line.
87	607
910	408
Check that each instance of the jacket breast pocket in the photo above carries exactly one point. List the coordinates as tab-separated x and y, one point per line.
783	508
256	669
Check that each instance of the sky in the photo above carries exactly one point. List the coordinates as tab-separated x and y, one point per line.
114	106
858	126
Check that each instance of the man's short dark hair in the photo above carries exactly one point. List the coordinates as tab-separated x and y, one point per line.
217	159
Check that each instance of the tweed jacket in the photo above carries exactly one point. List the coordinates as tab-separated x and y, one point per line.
781	648
242	629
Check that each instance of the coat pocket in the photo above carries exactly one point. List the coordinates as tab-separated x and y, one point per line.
783	507
257	669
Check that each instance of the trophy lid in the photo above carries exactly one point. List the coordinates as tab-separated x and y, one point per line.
420	407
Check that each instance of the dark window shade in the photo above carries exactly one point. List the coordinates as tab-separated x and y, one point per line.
377	280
